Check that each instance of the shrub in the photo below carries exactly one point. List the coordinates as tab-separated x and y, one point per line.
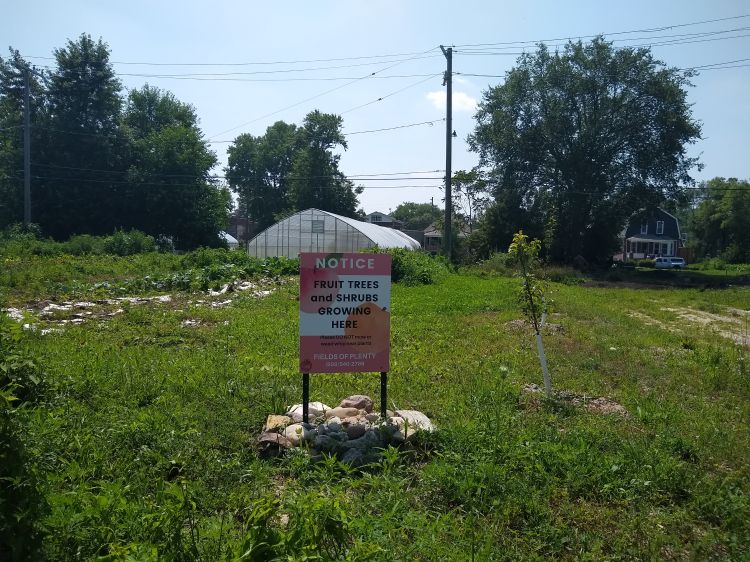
21	505
563	274
414	268
646	263
84	244
498	262
123	243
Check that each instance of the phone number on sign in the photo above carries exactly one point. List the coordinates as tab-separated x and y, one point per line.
345	363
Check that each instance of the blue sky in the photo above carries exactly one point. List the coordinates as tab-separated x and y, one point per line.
251	32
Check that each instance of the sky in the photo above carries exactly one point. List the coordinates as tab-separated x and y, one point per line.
388	68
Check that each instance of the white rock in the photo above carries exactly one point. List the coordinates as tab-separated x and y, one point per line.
297	434
14	313
415	420
315	409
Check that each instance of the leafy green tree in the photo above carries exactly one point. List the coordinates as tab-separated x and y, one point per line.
316	179
99	164
259	170
11	131
170	189
470	196
292	168
82	134
585	137
417	216
720	224
525	253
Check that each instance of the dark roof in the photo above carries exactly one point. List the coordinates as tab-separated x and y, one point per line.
671	226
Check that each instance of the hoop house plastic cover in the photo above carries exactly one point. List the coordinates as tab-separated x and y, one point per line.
313	230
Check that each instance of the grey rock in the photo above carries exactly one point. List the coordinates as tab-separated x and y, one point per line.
355	430
327	444
368	440
353	457
372	418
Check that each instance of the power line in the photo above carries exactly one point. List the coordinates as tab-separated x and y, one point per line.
152	184
407	176
281	71
391	94
530	44
255	63
396	127
711	66
408	125
210	75
652	44
647	30
263	80
311	98
368	131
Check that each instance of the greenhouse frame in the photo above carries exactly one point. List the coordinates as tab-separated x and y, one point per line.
313	230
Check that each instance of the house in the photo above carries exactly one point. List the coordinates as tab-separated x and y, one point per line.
433	236
241	227
656	233
381	219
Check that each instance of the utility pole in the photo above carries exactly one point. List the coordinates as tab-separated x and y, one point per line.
26	151
448	82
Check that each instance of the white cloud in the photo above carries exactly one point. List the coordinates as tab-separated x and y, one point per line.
461	101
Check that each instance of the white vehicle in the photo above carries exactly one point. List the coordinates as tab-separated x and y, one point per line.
670	263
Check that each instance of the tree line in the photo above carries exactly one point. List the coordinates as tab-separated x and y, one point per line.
570	146
103	159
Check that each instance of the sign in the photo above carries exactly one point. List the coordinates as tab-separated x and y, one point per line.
344	312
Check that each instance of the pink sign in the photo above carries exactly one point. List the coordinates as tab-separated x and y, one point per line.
344	312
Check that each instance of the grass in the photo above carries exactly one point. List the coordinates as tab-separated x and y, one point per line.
142	442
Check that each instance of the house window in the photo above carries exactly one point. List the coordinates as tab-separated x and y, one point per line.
376	218
659	227
644	228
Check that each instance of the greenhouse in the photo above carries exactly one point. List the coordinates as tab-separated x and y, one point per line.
313	230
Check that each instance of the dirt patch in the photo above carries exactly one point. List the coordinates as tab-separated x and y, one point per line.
728	326
649	321
592	404
520	325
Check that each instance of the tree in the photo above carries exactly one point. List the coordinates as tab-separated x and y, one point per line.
469	195
292	168
417	216
98	166
170	190
525	253
586	137
259	170
12	72
720	224
316	179
82	133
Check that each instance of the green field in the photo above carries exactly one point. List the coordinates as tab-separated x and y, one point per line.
139	438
